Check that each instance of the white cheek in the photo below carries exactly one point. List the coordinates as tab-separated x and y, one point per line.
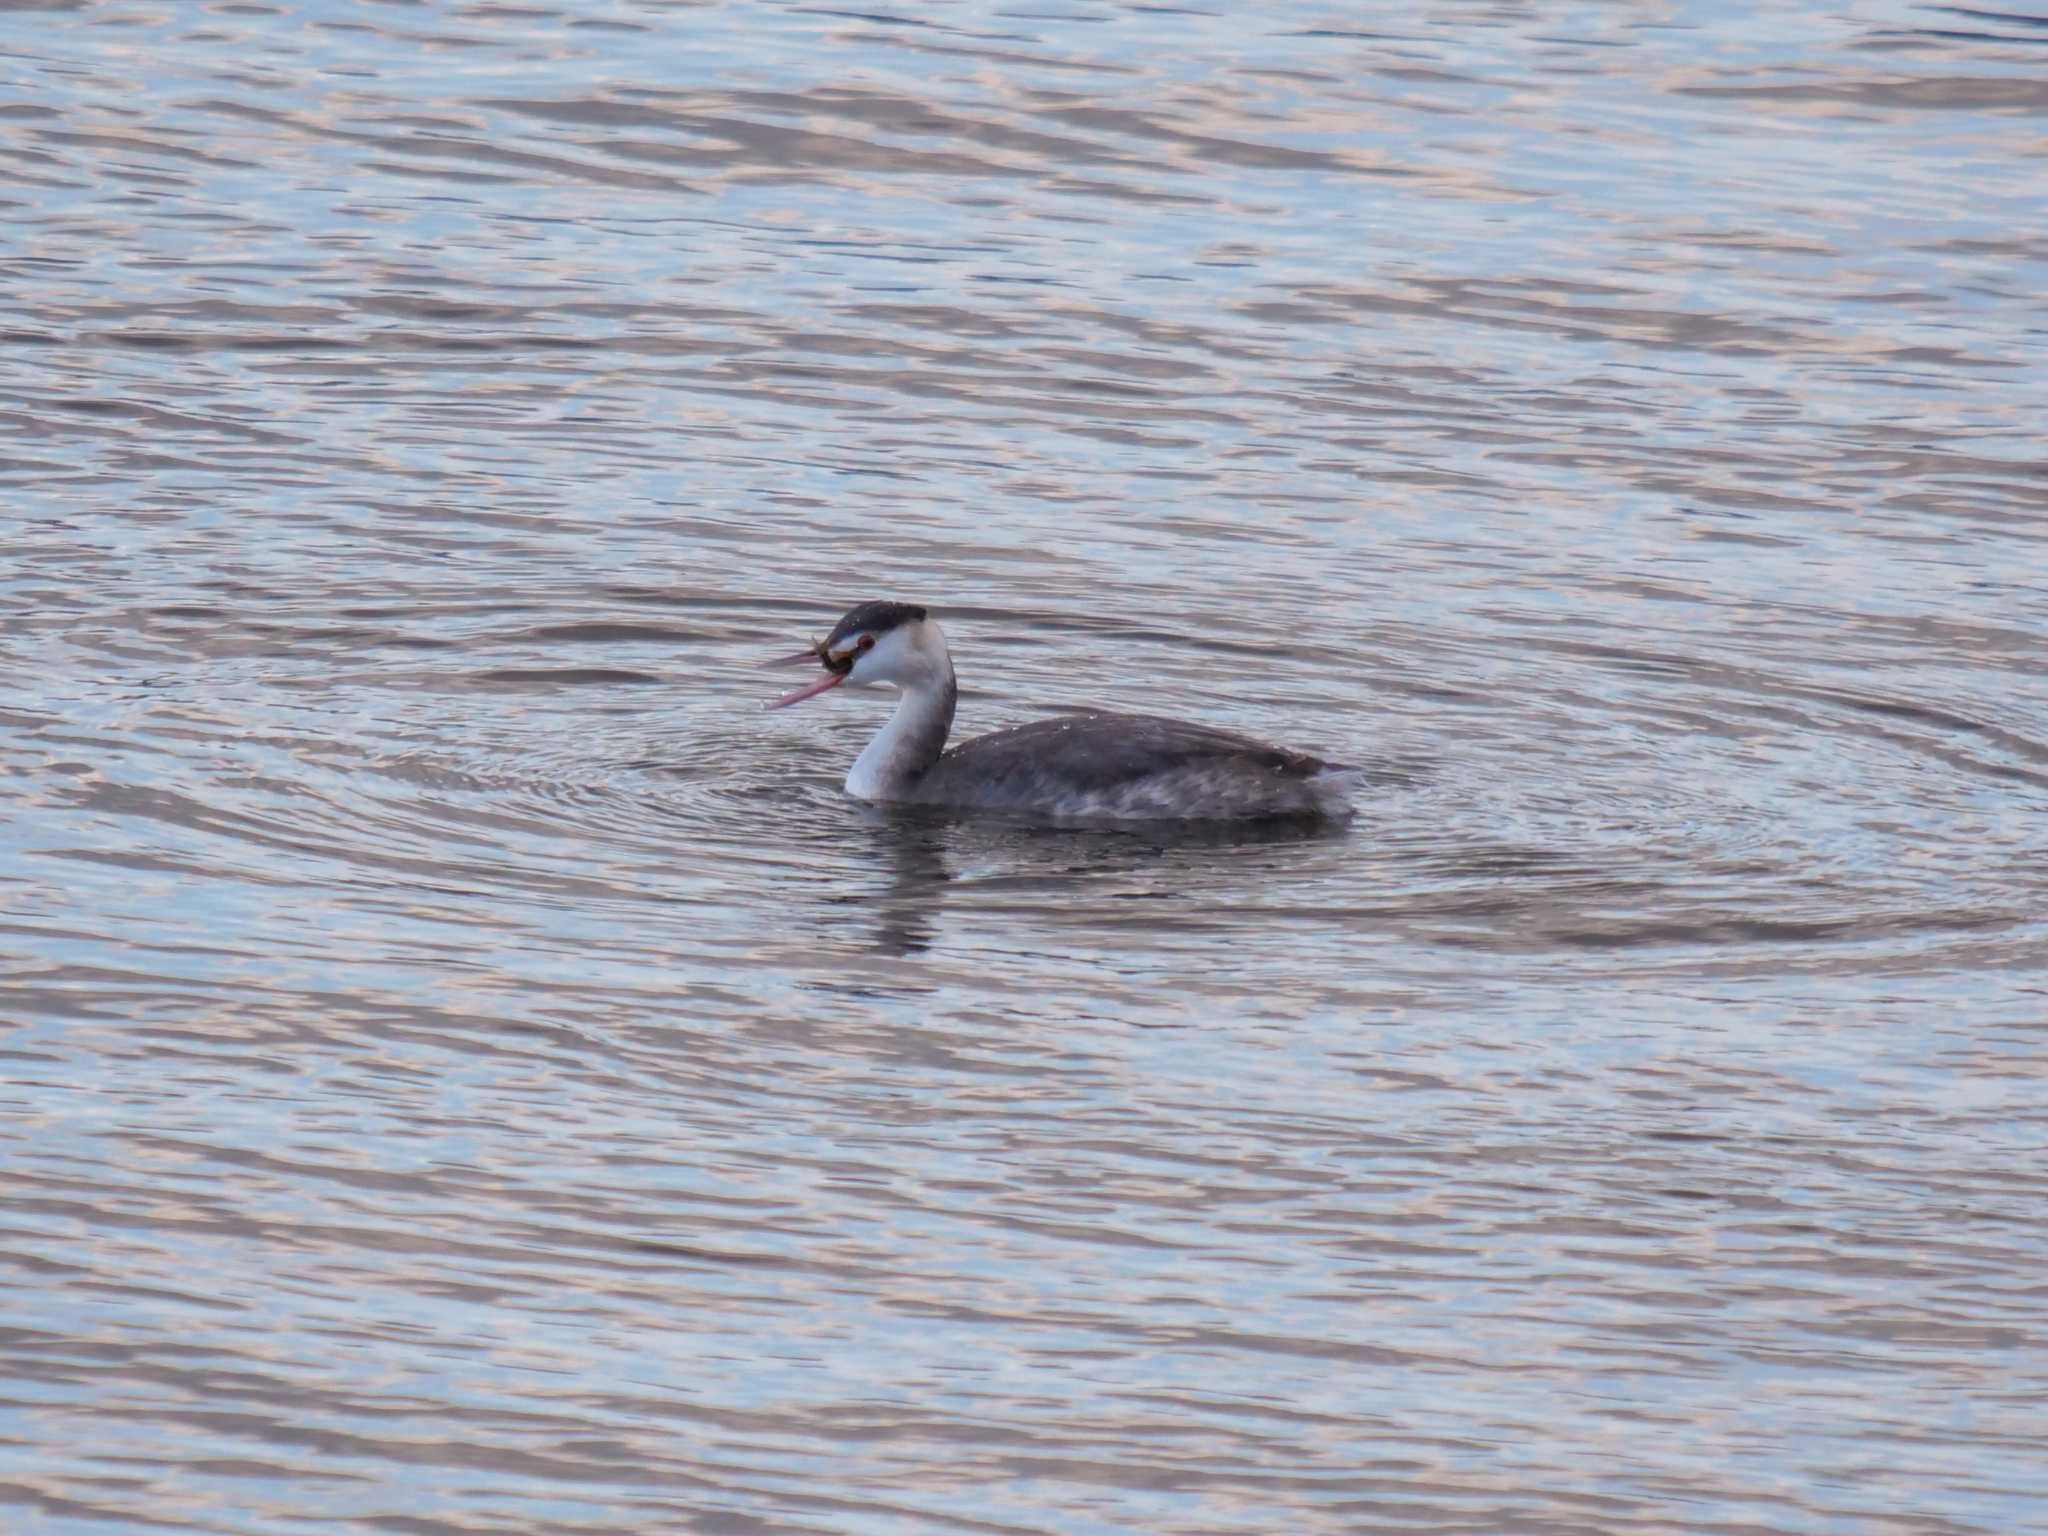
878	664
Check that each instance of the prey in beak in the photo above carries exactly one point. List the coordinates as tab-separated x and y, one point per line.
863	628
836	667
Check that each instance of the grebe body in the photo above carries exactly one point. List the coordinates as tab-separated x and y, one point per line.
1081	766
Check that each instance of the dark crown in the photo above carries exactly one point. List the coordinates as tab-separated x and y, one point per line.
875	619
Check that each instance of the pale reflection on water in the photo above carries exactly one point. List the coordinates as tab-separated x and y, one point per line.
468	1069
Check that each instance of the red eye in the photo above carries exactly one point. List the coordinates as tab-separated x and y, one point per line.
867	643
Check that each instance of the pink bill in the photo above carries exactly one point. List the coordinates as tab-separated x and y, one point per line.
809	690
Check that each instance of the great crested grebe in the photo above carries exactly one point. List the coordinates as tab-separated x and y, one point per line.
1124	767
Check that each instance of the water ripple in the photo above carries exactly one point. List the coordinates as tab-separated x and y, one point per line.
469	1068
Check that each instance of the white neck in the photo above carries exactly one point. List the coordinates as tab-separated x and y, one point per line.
915	734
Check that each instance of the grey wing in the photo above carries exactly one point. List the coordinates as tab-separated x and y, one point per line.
1098	753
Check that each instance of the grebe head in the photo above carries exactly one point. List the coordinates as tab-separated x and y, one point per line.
875	643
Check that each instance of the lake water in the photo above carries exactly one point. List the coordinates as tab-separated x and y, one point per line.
467	1069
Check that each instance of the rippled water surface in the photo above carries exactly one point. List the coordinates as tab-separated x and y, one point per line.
469	1070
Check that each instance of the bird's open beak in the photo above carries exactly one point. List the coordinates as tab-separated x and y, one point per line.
809	690
831	679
